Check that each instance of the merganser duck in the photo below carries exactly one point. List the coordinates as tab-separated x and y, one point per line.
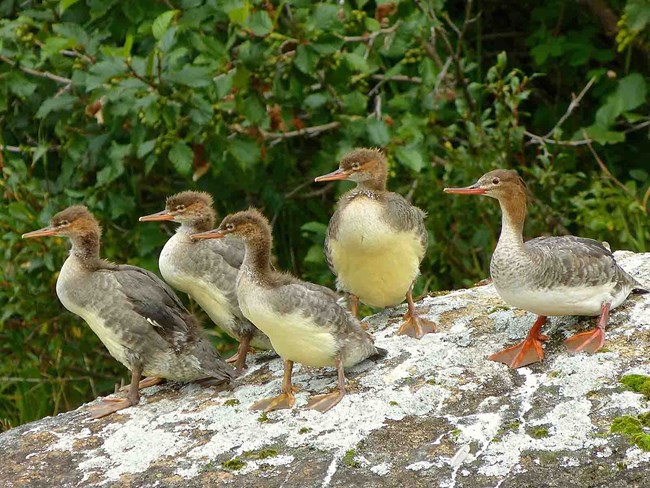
207	270
564	275
303	320
376	240
134	313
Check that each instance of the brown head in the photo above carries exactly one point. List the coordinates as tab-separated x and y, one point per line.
506	186
502	184
249	225
193	208
254	229
77	224
367	167
72	222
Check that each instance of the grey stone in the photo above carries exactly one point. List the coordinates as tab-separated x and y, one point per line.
436	412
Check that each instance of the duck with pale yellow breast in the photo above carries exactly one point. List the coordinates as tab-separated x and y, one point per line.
376	240
206	270
134	313
563	275
303	320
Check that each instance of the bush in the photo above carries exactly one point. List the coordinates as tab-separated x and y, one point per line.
119	104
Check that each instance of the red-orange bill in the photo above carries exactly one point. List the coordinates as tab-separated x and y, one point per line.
44	232
162	215
468	190
210	234
339	174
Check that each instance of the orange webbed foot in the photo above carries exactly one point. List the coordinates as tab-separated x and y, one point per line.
589	341
108	406
282	401
145	383
416	327
322	403
527	352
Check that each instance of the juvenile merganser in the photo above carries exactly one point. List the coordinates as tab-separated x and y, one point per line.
564	275
303	320
134	313
376	240
207	270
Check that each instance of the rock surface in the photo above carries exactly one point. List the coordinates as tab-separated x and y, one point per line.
436	412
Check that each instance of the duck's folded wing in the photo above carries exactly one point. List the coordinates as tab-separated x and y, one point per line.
231	250
576	261
313	302
403	216
155	301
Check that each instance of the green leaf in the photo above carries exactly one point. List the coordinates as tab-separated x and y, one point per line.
630	93
316	100
65	5
356	62
145	148
62	102
246	151
162	23
411	158
317	228
260	23
192	76
181	157
325	15
355	103
377	132
305	59
600	134
238	11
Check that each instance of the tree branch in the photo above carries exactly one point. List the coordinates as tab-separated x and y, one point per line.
604	168
33	72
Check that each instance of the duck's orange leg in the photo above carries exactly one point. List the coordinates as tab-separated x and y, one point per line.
239	359
323	403
286	399
593	339
108	406
414	325
528	351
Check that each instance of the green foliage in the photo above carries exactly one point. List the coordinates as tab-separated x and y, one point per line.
119	104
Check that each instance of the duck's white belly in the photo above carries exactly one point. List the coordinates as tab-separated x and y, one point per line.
97	324
371	259
208	296
293	336
563	300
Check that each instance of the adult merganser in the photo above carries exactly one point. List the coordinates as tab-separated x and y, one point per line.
303	320
564	275
376	240
207	270
134	313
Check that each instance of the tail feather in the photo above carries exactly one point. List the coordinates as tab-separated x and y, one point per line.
380	353
641	290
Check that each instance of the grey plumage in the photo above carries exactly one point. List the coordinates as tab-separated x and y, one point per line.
560	261
140	320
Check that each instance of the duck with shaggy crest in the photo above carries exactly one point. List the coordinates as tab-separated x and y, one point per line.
376	240
134	313
303	320
207	269
563	275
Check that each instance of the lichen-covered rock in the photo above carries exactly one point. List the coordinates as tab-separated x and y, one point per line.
436	412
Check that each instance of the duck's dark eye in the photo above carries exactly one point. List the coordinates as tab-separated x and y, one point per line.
180	208
356	166
496	181
230	227
63	222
